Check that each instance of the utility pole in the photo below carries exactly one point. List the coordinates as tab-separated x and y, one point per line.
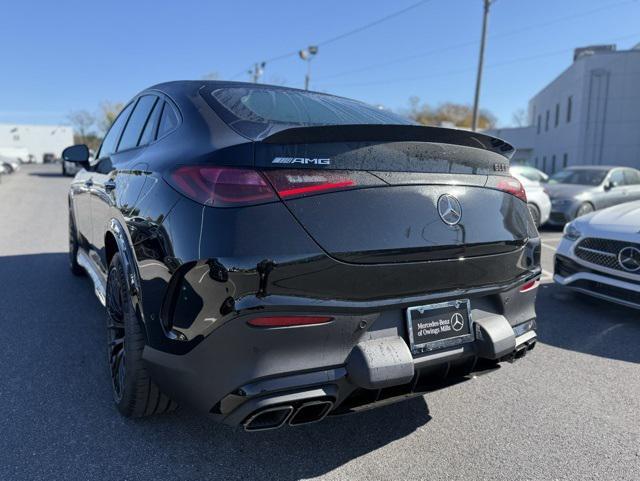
257	71
476	99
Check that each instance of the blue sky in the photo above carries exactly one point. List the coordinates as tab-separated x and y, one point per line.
63	56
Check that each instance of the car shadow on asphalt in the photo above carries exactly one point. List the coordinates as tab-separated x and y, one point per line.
585	324
46	174
57	397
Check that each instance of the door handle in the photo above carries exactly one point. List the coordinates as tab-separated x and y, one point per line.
109	185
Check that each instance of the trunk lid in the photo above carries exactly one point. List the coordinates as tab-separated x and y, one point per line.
385	207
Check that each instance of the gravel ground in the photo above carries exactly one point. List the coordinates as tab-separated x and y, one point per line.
569	410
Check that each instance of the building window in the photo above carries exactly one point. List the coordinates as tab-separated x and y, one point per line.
553	163
565	159
539	122
557	119
16	137
569	102
546	121
544	163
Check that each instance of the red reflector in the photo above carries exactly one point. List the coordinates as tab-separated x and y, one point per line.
510	185
300	182
316	188
529	286
285	321
222	186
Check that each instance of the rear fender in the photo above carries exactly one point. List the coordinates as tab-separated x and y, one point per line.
129	264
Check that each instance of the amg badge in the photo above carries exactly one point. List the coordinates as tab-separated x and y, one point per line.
300	160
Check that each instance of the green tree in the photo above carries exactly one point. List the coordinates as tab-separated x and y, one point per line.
108	113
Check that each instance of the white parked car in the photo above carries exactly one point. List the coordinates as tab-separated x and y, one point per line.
529	172
600	254
537	199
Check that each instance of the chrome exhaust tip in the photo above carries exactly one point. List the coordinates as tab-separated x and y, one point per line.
521	352
311	412
269	418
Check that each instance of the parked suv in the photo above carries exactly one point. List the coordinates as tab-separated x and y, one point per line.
271	255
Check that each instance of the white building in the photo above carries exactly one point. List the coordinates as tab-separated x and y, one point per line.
19	140
589	114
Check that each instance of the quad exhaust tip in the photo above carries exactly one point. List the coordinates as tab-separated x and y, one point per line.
269	418
275	417
311	412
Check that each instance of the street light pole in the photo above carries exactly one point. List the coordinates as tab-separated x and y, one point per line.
476	99
307	55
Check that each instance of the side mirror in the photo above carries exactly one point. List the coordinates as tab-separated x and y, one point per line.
608	185
76	153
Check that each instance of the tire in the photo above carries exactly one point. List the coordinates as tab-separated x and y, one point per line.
76	269
134	393
535	214
584	209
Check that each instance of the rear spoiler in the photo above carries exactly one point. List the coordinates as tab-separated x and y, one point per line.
389	133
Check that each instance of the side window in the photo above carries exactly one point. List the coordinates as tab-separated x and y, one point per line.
110	140
617	178
632	177
168	120
136	123
149	132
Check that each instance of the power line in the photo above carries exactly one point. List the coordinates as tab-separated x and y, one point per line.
473	42
471	69
372	24
342	35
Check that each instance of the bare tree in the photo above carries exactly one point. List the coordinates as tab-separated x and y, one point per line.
81	121
519	118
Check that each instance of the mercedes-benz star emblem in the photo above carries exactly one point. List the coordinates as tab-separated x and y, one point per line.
457	321
449	209
629	259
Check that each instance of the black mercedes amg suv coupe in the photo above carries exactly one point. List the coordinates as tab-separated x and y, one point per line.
270	255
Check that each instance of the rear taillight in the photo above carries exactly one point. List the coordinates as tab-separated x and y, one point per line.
222	186
529	286
301	183
288	321
510	185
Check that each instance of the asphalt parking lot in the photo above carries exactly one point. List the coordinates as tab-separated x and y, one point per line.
569	410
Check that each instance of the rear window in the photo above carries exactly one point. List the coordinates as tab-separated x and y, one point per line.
254	111
579	177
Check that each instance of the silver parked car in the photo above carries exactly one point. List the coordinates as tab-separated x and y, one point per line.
600	255
579	190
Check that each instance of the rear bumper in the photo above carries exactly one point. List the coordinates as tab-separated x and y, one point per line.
359	360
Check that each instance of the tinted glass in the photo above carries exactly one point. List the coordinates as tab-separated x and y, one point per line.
148	134
617	178
579	177
168	121
136	123
252	110
632	177
111	139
